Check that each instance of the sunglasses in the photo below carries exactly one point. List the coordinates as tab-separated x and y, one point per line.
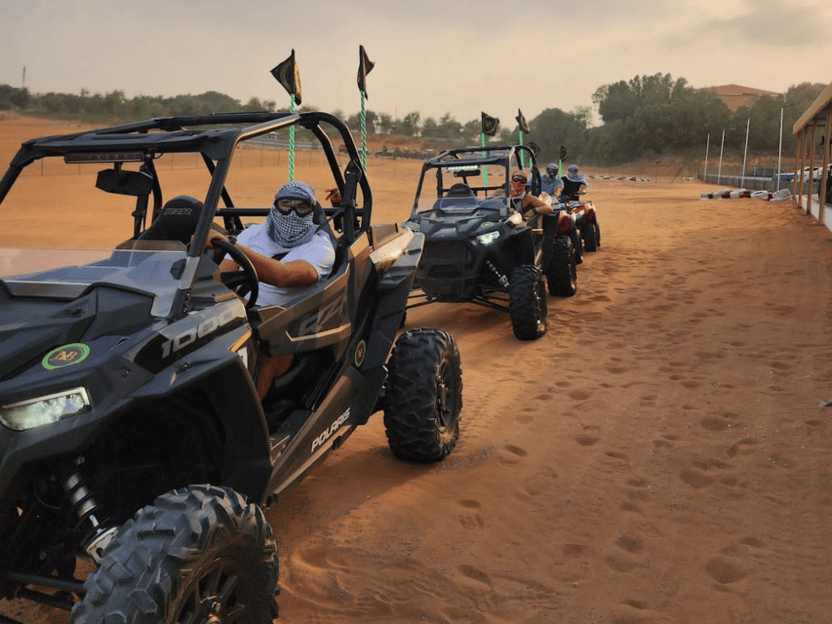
518	178
300	206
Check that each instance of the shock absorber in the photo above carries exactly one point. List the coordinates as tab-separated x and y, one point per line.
502	280
85	506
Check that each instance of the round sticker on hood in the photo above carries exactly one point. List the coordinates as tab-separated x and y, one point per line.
66	355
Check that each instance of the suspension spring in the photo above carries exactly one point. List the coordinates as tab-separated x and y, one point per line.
85	506
502	280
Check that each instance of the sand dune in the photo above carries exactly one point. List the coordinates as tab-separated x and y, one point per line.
660	456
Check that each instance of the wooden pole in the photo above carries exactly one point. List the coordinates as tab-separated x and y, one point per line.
798	168
812	146
824	176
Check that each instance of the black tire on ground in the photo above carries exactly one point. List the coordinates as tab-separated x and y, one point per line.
597	234
527	302
423	395
197	554
590	237
562	273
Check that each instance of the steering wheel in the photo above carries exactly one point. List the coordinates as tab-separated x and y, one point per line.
243	282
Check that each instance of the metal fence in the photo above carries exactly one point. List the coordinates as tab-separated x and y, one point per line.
756	183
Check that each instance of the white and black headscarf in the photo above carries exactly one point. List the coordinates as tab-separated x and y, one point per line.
292	230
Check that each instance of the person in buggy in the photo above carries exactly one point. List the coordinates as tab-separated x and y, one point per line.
573	184
289	251
526	204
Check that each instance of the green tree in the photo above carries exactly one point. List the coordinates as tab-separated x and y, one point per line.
553	128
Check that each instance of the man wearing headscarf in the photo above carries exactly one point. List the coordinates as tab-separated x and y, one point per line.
289	252
550	182
574	184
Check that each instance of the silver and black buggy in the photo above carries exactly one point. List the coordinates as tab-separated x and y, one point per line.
135	457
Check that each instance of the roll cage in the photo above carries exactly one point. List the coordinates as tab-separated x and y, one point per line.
214	139
467	163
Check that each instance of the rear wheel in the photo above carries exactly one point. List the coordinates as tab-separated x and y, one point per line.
423	395
527	302
201	554
562	272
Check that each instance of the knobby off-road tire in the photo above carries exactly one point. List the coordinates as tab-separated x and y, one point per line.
423	395
562	272
200	554
527	302
590	235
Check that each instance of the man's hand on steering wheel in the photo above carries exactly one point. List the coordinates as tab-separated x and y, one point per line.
243	282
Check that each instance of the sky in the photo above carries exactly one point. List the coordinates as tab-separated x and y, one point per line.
435	57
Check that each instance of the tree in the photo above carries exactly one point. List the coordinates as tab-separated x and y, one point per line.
409	124
553	128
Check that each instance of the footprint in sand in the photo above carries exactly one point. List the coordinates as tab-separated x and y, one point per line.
696	479
726	570
510	455
470	517
540	483
474	574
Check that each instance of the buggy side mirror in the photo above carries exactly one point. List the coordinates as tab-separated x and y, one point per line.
133	183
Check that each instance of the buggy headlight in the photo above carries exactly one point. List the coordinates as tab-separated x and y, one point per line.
487	239
45	410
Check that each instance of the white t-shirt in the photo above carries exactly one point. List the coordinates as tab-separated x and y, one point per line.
318	252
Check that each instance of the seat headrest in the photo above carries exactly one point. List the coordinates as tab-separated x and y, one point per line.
176	221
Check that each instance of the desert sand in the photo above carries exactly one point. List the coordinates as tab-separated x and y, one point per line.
662	455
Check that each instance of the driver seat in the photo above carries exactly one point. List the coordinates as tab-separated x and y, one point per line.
176	221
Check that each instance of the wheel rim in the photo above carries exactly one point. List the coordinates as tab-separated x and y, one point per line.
539	294
214	597
444	411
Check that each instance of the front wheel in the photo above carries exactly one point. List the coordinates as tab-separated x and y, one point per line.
527	302
201	554
423	395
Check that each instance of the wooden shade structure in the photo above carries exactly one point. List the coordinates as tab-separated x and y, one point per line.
813	140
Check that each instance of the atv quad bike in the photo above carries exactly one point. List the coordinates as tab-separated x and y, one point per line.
133	448
584	217
478	247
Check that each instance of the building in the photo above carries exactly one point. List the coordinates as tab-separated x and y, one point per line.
737	96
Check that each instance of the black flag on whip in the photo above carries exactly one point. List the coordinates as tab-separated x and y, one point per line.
521	122
288	74
489	125
365	66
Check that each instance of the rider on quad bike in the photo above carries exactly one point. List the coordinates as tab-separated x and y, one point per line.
585	216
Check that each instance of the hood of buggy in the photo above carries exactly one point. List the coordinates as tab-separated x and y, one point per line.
451	218
107	293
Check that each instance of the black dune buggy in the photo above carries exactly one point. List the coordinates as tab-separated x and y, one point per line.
478	247
134	451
